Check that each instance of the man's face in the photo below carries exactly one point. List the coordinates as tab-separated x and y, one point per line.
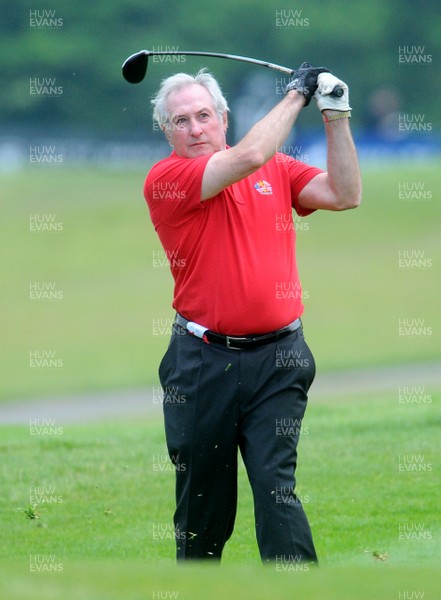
195	128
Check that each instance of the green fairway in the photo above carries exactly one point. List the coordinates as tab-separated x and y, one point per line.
102	320
136	580
94	503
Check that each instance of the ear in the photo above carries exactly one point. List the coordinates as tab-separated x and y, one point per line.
225	121
166	131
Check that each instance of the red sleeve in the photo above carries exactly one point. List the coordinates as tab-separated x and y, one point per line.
172	189
299	175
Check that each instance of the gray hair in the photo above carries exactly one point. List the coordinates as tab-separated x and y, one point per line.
179	80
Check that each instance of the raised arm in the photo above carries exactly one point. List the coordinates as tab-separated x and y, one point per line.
255	149
340	187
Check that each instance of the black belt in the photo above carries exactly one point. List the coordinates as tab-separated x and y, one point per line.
247	342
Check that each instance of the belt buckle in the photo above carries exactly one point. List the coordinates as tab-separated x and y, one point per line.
228	338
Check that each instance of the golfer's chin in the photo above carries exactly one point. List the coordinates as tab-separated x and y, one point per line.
195	150
199	149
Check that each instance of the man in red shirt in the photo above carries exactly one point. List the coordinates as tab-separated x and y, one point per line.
237	370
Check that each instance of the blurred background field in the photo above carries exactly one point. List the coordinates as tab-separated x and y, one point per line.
76	141
110	320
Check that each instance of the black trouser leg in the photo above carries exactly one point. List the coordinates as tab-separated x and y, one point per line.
201	423
272	415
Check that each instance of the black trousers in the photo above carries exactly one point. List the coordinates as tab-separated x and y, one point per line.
216	401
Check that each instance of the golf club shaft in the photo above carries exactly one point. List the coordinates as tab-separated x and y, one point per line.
220	55
135	66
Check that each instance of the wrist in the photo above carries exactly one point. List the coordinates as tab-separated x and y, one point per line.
330	115
297	97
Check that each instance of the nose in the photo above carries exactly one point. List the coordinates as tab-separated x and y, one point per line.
195	128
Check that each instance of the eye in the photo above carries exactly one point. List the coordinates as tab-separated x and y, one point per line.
204	116
181	122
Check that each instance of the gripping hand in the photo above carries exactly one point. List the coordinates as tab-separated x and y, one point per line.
305	80
326	100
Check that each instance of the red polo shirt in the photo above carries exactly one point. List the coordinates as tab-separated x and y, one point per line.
232	257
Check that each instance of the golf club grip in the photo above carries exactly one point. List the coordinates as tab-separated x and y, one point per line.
337	92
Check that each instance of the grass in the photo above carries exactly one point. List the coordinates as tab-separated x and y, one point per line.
357	291
133	581
102	502
110	328
101	261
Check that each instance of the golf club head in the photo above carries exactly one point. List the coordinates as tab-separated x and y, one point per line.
135	67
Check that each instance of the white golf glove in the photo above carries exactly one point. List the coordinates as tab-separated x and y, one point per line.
326	82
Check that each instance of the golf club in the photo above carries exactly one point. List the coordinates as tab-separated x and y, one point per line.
134	68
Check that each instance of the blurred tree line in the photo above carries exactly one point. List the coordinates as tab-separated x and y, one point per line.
61	60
